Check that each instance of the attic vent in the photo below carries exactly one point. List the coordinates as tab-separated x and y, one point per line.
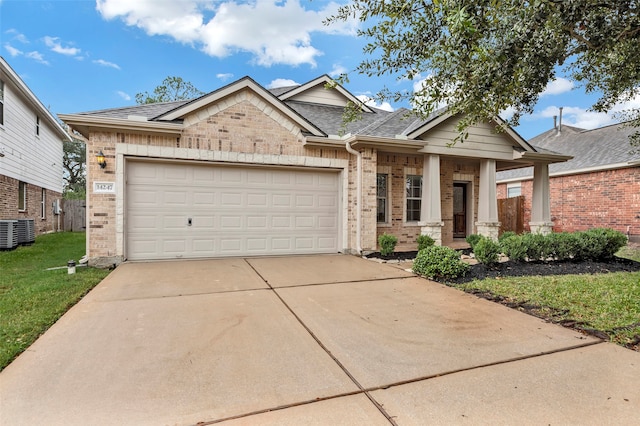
26	231
8	234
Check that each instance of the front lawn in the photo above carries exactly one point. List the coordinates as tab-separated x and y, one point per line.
606	305
32	298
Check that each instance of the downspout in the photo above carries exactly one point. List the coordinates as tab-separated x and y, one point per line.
358	154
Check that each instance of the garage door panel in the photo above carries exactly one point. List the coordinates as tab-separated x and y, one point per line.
235	211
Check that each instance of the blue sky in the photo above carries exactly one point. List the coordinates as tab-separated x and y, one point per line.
82	55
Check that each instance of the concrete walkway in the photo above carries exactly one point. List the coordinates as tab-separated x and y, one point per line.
308	340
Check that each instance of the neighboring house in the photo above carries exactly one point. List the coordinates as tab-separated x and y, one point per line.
599	187
30	154
245	171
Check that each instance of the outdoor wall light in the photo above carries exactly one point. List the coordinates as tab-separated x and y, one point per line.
101	161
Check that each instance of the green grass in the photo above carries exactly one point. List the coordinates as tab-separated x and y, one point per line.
609	303
32	298
630	252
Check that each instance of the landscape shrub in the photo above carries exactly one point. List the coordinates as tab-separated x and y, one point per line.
599	244
424	241
506	234
487	251
563	245
473	240
387	244
514	248
439	262
537	246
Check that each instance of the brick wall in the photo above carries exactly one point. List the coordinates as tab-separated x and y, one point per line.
397	166
599	199
9	205
242	127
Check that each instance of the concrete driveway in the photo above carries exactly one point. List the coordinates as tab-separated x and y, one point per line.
308	340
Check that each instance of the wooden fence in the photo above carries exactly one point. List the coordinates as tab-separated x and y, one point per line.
74	215
511	214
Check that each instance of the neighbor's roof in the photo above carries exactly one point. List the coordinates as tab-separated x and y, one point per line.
604	148
36	104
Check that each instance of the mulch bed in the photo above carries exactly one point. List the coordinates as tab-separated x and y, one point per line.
521	269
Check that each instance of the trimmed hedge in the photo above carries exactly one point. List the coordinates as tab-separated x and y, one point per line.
487	251
439	262
424	241
594	244
387	244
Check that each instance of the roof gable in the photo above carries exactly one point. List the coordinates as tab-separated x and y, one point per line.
316	92
37	106
233	93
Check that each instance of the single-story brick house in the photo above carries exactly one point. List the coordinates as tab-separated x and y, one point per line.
31	152
599	187
246	171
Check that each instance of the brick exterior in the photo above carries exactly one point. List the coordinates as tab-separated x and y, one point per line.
243	127
9	205
608	198
399	165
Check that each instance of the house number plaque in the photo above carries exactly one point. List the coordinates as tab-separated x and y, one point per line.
104	187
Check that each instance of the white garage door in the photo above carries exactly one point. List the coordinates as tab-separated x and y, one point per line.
179	210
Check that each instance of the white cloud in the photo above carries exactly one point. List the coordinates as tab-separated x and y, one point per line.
386	106
53	44
558	86
124	95
273	31
224	76
17	36
577	117
12	50
337	70
104	63
281	82
36	56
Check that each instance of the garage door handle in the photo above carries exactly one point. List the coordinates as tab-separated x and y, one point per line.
189	222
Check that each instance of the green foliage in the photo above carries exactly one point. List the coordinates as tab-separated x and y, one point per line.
600	244
487	251
506	234
537	246
473	240
563	245
482	57
514	248
439	262
74	160
171	89
424	241
594	244
34	298
605	302
387	244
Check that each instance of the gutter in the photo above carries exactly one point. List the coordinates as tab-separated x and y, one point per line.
359	196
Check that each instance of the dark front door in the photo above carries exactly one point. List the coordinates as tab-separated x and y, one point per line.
459	210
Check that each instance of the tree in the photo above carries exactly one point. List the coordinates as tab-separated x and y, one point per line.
74	164
171	89
484	56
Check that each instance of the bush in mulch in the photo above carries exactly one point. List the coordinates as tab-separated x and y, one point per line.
521	269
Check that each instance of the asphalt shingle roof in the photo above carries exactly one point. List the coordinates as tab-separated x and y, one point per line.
590	149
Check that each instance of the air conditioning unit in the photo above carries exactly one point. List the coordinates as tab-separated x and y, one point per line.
26	231
8	234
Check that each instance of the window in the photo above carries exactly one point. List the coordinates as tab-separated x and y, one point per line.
1	102
414	200
381	192
514	190
37	125
43	203
22	196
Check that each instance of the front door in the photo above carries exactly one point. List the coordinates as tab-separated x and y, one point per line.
459	210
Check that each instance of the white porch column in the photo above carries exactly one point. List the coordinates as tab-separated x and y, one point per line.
540	200
430	208
487	223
